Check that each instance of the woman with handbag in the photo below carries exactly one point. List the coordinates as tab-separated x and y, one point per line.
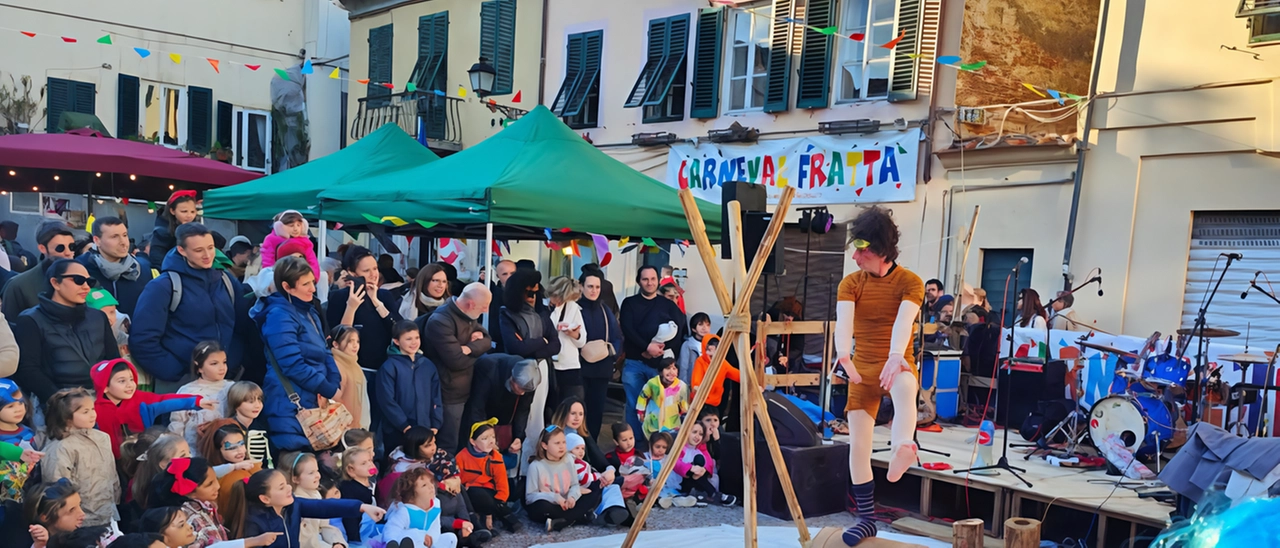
563	293
598	356
302	376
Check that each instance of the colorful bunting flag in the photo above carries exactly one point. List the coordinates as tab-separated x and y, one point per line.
1034	90
88	223
462	92
253	67
425	224
547	233
608	257
106	39
336	74
568	251
214	64
857	37
601	245
28	34
395	221
516	99
948	59
828	30
306	66
1073	96
913	55
971	67
574	246
492	102
565	230
176	58
363	80
438	92
793	20
371	218
388	85
894	43
282	74
623	241
901	150
69	40
648	242
143	53
1054	93
337	226
411	87
151	206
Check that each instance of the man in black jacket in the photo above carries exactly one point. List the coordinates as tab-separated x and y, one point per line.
643	317
453	339
54	240
502	388
120	273
504	269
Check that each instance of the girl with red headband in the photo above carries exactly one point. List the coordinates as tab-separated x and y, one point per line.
180	209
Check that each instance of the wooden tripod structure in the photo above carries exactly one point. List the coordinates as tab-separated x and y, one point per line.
737	335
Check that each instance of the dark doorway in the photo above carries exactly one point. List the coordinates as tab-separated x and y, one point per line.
997	264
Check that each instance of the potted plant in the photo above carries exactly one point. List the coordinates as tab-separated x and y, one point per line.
220	153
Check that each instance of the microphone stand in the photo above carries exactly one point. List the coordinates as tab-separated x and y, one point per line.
1003	462
1263	423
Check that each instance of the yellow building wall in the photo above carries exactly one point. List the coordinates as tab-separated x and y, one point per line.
477	121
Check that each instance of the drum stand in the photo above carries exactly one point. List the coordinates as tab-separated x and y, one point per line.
1074	427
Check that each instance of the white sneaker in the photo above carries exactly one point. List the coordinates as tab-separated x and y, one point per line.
665	502
686	502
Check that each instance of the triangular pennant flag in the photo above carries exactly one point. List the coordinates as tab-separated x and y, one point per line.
462	92
411	87
857	37
337	226
106	39
1054	93
973	66
253	67
143	53
554	246
388	85
371	218
69	40
151	206
516	99
282	74
425	224
393	220
1034	90
28	34
565	230
601	244
547	233
497	249
124	201
214	64
438	92
828	30
88	223
492	102
363	80
948	59
913	55
792	20
176	58
648	242
894	43
608	257
574	246
623	241
1073	96
901	150
629	248
336	74
306	66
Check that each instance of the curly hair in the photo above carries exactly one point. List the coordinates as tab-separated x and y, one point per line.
876	226
405	489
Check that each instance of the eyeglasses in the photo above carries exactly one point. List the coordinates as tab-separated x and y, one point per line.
79	280
60	248
859	243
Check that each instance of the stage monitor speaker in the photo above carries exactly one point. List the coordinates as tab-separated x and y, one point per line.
792	426
753	198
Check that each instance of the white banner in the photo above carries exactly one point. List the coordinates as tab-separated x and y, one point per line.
825	169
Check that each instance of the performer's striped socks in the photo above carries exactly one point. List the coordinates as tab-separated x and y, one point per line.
863	497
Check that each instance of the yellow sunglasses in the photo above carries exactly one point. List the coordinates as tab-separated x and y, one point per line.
861	244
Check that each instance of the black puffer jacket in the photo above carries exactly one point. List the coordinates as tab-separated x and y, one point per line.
59	344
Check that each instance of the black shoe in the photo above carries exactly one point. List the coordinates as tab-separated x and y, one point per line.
512	524
479	536
554	525
728	500
393	544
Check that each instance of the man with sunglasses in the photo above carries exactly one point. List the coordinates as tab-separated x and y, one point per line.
120	273
54	240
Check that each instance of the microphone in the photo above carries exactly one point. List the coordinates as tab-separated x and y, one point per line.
1021	262
1232	256
1245	293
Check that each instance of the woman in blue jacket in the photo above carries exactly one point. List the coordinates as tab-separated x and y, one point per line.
601	325
408	386
291	332
270	507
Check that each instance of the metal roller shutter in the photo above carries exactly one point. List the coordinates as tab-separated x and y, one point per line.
1254	234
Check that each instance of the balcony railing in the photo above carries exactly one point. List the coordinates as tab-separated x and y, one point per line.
415	112
1250	8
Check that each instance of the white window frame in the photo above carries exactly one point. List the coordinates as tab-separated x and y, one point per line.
181	112
240	134
39	209
867	52
756	21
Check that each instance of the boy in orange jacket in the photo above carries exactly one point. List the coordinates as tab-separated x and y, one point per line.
700	367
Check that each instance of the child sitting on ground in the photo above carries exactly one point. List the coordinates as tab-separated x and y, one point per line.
303	473
691	350
664	399
624	456
669	494
244	404
711	423
209	367
552	492
699	470
484	473
612	510
121	408
358	475
416	517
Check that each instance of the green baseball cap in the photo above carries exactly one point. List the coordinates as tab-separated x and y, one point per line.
100	298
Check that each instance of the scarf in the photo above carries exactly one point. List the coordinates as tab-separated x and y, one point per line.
431	303
127	268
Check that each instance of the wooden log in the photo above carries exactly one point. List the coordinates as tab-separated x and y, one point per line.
751	386
967	533
1021	533
699	231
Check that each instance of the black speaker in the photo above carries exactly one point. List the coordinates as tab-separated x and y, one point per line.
754	225
752	198
792	426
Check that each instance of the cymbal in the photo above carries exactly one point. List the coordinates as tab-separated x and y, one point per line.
1108	349
1244	358
1210	332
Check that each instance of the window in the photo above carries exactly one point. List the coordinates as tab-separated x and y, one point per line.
252	146
380	46
578	100
127	106
164	114
431	71
68	96
660	89
749	54
1264	28
865	66
25	202
498	41
706	64
199	119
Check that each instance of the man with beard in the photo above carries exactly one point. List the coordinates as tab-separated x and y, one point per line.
651	324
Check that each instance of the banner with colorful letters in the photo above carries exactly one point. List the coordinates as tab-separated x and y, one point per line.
824	169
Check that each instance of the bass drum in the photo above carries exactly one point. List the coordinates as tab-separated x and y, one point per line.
1140	421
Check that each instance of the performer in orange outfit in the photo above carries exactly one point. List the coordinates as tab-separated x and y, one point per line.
887	298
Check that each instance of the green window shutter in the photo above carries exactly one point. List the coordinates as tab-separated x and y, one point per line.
902	81
60	96
706	64
659	33
572	70
127	106
199	119
380	47
778	85
225	115
592	46
431	70
497	41
84	98
815	56
675	49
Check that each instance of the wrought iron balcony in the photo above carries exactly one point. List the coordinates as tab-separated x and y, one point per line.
415	112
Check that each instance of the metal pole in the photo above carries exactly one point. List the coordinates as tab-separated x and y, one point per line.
1082	145
488	261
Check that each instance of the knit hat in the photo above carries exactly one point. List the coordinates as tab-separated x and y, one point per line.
291	246
100	298
9	392
572	439
525	375
101	374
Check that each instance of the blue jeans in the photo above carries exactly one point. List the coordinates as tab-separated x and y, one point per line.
634	376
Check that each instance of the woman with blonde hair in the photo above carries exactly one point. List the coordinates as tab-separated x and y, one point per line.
563	293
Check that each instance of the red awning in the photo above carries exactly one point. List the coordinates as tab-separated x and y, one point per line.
86	150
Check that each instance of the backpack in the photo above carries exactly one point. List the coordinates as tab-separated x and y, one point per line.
176	281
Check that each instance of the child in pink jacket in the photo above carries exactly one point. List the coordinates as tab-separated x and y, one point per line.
289	226
698	469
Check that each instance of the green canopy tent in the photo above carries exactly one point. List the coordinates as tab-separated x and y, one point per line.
387	150
536	174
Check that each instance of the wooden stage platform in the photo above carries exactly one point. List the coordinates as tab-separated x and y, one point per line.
1063	498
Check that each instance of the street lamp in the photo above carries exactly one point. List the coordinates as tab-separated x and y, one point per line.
482	76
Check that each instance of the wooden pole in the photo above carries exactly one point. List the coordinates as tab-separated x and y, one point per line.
751	385
745	401
699	231
967	533
1021	533
964	260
